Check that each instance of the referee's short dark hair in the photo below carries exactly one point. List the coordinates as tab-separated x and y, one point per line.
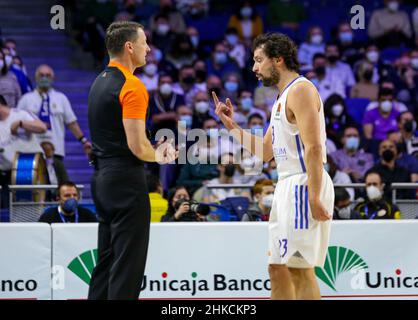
118	33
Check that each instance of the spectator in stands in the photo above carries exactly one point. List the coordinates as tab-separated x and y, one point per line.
365	88
390	171
231	87
408	80
250	168
347	44
259	210
376	206
197	44
68	209
159	205
184	120
201	109
9	86
264	97
271	170
149	74
352	159
195	9
174	19
181	51
338	176
409	134
247	22
314	44
336	69
54	109
325	85
16	128
415	24
214	83
220	64
18	64
256	124
387	91
187	84
201	74
403	159
23	80
285	14
336	117
57	174
179	207
227	169
162	34
342	205
390	27
163	104
236	48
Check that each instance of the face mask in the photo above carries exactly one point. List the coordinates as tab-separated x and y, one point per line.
229	170
44	82
414	63
320	71
388	155
162	29
246	104
346	37
410	126
202	107
220	57
257	130
333	58
9	60
372	56
373	193
247	163
189	80
201	75
267	201
231	86
386	106
316	39
70	205
150	69
232	39
393	6
352	143
188	119
194	40
344	213
213	132
368	75
166	89
246	12
274	175
337	110
158	55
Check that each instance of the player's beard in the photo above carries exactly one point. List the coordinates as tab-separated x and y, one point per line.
272	80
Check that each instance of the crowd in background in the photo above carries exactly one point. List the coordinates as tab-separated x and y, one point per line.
368	86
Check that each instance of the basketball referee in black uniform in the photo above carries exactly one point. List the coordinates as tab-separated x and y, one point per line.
117	108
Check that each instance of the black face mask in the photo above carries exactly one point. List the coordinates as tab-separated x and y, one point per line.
368	75
201	75
189	80
332	59
320	71
401	147
408	126
229	170
388	155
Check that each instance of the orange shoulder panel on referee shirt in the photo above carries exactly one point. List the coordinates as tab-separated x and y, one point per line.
133	96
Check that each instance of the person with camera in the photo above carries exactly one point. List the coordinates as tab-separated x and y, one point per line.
181	208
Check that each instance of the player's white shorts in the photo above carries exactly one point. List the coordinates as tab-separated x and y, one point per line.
295	239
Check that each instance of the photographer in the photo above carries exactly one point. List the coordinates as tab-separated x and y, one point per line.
180	208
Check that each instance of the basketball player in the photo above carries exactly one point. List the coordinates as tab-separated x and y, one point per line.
300	217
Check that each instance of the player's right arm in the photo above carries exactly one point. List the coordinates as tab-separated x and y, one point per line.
225	112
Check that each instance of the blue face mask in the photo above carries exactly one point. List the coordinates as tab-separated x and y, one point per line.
70	205
188	119
220	57
246	104
352	143
274	175
257	130
213	132
231	86
346	37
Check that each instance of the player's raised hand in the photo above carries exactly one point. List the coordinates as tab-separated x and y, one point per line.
165	152
225	111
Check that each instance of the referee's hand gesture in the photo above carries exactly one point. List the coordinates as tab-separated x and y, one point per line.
165	152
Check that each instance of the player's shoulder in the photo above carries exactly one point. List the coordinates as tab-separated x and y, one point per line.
302	90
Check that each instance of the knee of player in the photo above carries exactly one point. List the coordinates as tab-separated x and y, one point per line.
278	271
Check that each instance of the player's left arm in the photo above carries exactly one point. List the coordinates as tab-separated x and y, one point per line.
303	101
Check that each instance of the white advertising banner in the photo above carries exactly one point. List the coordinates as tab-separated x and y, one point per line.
366	259
25	261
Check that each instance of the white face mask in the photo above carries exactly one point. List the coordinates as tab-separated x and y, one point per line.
202	106
373	193
247	163
337	110
166	89
386	106
316	39
267	201
373	56
9	60
344	213
414	63
150	69
393	6
162	29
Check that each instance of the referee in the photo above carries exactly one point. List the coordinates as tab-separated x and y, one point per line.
117	108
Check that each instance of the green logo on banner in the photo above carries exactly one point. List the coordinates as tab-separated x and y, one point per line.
83	265
339	260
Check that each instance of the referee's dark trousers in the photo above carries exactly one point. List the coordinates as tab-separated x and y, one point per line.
120	193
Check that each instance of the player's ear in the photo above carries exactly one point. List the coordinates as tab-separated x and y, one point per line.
278	60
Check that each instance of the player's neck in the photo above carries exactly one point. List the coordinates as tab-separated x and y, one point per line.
286	77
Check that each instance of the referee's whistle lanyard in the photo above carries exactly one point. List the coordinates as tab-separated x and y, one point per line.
63	217
45	111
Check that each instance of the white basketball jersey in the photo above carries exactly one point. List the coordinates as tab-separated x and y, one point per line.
288	148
